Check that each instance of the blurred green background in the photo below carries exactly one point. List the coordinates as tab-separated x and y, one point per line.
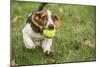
74	41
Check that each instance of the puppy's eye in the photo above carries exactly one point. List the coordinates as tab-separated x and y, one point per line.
44	17
53	17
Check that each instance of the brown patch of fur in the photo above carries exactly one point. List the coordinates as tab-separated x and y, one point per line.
57	21
38	19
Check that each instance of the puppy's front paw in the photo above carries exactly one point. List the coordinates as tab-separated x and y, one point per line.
49	53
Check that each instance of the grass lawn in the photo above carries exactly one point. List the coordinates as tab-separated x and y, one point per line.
74	41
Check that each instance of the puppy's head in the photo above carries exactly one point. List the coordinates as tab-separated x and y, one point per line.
46	19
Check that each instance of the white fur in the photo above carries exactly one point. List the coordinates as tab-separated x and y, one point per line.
29	36
46	45
49	18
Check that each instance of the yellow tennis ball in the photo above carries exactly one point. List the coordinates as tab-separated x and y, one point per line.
49	33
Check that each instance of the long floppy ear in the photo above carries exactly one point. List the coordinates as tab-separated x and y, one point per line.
36	19
56	21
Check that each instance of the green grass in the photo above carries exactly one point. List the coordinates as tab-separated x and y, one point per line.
77	24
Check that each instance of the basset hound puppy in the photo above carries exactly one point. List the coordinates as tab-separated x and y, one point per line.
33	30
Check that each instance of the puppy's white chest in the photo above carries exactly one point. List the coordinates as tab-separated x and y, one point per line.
28	31
36	36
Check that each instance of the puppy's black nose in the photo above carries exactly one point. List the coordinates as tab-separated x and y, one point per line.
51	26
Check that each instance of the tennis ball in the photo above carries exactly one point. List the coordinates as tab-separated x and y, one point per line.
49	33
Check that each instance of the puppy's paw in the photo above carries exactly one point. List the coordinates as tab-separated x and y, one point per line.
49	53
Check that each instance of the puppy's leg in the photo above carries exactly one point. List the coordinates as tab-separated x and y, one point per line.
46	45
28	42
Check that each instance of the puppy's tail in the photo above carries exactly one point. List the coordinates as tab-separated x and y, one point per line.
41	6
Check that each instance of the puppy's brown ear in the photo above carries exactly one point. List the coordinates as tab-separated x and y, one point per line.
36	19
36	16
56	21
